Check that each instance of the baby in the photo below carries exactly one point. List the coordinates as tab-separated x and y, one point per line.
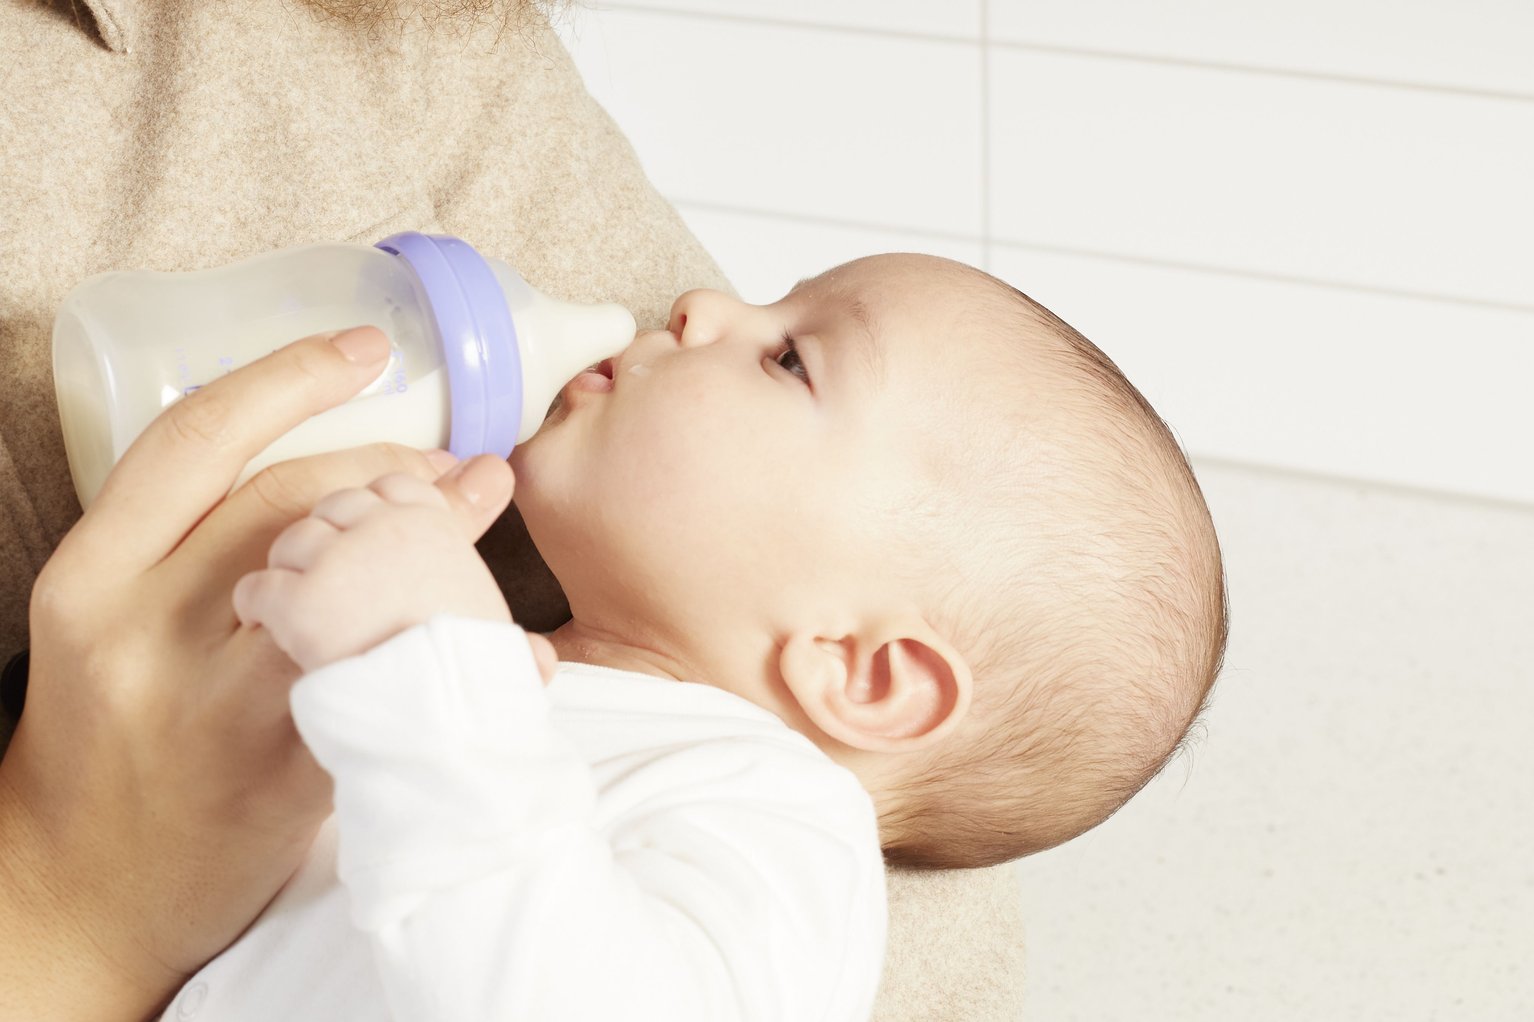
896	569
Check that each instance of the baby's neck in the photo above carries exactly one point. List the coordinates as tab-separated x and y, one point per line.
578	644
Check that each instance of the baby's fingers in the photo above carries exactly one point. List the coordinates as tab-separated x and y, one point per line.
404	488
346	509
259	595
478	490
283	604
299	546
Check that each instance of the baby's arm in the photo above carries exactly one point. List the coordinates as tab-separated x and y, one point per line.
751	889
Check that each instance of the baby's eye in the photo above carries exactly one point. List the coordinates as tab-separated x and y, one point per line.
790	348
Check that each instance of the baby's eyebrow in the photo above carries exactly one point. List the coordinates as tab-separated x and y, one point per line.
869	354
867	349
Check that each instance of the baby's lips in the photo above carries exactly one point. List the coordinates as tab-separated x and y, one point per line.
608	367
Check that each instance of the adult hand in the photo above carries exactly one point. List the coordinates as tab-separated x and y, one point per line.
155	795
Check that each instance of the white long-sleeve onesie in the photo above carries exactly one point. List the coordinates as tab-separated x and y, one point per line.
615	846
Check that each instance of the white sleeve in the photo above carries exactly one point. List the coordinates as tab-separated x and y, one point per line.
751	890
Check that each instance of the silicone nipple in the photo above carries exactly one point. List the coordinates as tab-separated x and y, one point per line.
557	340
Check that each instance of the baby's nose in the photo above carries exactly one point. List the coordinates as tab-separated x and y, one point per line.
701	316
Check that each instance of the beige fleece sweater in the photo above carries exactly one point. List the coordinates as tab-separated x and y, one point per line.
186	134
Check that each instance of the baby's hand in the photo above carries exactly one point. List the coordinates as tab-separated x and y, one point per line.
366	564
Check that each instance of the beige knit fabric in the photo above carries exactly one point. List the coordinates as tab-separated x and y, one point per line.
186	134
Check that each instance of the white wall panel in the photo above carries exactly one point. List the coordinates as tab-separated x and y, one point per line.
830	124
1247	246
932	17
1397	390
1372	186
1467	44
764	256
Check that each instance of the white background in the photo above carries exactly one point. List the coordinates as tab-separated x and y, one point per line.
1306	232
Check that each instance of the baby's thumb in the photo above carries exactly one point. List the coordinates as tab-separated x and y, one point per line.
478	490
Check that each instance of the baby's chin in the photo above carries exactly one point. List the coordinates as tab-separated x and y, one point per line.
545	484
556	413
552	418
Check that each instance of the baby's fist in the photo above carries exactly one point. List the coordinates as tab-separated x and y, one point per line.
367	564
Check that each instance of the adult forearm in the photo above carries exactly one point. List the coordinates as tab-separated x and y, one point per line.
54	965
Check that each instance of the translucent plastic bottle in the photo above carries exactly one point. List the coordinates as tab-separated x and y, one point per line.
478	354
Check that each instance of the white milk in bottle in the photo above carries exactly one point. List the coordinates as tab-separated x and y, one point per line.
476	357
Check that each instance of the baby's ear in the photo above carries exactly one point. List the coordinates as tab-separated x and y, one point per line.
893	686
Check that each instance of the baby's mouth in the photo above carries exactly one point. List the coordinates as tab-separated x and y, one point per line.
603	368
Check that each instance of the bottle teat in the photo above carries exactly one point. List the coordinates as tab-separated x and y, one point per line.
557	339
503	371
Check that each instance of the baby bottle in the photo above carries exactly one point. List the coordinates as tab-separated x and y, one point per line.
477	353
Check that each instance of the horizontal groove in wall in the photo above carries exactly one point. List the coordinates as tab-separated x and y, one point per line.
812	26
1083	52
1269	72
1337	479
993	240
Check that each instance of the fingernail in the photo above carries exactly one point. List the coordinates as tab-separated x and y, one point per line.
473	478
362	345
458	476
440	460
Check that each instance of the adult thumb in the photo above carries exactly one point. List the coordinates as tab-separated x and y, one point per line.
478	490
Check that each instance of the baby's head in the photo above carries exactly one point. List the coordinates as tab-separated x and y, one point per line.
916	516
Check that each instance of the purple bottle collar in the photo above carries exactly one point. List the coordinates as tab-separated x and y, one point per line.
478	338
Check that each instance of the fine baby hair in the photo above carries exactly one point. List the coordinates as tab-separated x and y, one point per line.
1087	594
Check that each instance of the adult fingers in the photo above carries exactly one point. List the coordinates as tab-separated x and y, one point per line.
187	459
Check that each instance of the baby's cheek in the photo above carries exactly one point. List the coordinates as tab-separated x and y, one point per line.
667	445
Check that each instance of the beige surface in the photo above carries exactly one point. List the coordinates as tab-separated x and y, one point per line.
1351	839
188	134
916	988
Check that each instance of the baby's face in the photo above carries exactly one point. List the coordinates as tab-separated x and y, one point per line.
731	482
